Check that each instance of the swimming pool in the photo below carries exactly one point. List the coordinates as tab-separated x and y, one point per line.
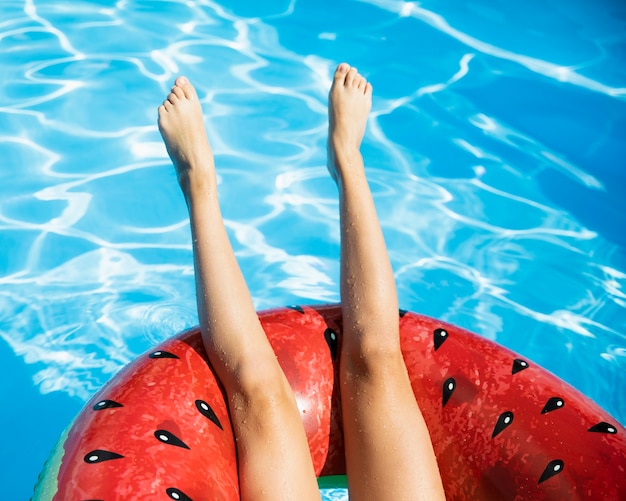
496	153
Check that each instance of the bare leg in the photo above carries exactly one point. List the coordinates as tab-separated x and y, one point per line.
273	454
389	454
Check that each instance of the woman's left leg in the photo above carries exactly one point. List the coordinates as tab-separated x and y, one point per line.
273	455
389	454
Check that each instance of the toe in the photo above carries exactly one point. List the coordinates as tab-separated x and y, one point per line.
361	82
341	70
172	98
351	77
188	89
178	92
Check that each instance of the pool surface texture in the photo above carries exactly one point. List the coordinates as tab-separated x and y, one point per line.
496	153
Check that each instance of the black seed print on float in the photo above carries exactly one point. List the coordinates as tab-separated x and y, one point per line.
553	404
106	404
98	456
162	354
449	386
603	427
331	338
297	308
554	468
403	312
504	421
519	365
207	412
169	438
440	335
177	494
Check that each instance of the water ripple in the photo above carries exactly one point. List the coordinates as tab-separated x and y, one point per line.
554	71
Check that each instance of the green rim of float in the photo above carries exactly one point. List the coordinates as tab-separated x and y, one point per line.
47	485
333	482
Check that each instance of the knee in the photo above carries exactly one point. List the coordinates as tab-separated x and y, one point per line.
260	387
373	361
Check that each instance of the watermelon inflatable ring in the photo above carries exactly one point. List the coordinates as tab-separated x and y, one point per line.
502	427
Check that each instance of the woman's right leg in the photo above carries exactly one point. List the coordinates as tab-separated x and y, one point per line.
273	455
389	454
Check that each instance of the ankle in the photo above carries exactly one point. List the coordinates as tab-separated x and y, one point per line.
345	164
196	185
344	148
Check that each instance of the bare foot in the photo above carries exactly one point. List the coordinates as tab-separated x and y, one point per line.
182	129
349	104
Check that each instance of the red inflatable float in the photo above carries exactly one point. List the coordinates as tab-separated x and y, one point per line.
502	428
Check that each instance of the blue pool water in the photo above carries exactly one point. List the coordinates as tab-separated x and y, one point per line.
496	153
